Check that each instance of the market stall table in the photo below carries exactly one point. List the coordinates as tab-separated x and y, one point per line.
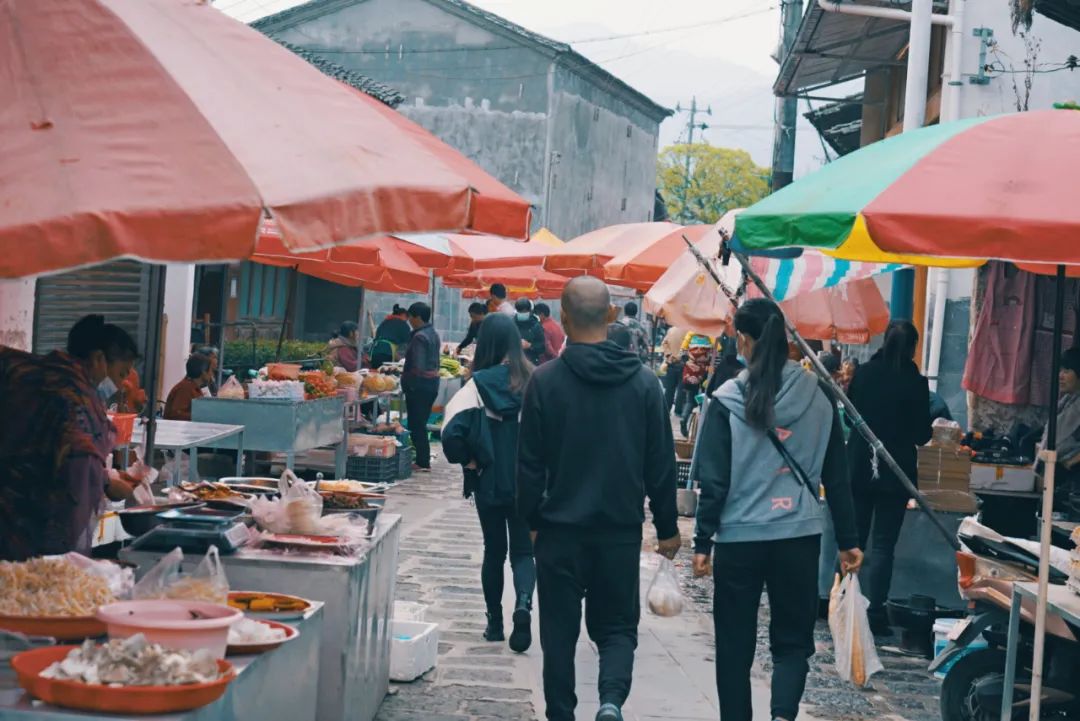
191	435
358	593
273	686
280	425
1059	600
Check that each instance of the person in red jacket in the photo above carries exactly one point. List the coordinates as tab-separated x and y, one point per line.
554	338
178	403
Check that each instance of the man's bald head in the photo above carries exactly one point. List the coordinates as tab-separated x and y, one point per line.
586	307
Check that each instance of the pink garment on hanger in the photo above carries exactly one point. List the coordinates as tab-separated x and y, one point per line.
1000	360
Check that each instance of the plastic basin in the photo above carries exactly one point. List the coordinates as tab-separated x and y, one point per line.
190	625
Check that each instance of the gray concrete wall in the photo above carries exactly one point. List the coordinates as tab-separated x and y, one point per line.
500	101
484	94
604	153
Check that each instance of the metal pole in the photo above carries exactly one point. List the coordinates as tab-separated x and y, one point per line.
876	446
1049	457
224	319
153	347
787	108
290	301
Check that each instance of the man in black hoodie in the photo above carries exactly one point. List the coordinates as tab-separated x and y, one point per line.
595	441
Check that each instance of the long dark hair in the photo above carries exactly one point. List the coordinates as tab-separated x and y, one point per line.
763	321
500	342
901	339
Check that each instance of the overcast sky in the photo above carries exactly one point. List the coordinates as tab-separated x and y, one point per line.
676	49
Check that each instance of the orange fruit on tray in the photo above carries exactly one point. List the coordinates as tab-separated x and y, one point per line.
28	666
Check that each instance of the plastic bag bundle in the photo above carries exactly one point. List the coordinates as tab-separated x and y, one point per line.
165	580
856	656
298	510
664	598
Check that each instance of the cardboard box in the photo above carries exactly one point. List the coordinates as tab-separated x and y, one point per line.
944	469
988	477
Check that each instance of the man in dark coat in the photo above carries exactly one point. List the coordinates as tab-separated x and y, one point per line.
420	380
595	442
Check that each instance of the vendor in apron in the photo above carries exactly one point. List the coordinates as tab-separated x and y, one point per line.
391	337
55	438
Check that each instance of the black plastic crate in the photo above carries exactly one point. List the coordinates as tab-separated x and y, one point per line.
405	461
372	469
683	470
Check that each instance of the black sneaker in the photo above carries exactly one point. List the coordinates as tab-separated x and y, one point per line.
521	636
494	631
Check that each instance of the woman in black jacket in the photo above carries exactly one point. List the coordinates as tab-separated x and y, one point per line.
894	398
480	431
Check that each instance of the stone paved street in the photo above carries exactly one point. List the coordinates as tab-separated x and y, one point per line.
439	566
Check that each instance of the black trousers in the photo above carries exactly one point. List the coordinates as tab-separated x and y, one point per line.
500	525
571	568
672	381
788	571
879	517
418	403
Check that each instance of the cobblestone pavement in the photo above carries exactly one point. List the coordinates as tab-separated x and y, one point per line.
439	566
905	690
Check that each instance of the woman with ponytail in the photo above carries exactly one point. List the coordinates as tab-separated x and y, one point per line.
894	399
767	445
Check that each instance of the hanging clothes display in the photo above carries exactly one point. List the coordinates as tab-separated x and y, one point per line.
1000	364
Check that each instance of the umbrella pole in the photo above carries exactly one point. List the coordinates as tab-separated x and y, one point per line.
290	300
153	366
1049	457
860	424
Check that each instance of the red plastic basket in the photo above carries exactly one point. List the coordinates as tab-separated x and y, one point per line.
125	426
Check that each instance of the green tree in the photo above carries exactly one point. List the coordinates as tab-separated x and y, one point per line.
721	179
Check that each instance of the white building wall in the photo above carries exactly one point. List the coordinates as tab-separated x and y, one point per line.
17	313
179	300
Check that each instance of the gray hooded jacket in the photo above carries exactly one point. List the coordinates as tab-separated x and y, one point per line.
747	491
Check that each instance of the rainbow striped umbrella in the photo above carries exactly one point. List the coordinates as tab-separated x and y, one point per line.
951	194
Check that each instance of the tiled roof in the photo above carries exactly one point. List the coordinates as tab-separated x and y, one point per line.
377	90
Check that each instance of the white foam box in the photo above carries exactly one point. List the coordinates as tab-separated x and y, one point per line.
414	649
987	477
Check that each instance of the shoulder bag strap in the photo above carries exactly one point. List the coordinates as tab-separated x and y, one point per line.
791	462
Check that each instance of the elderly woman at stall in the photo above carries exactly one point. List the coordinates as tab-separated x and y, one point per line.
54	441
1067	475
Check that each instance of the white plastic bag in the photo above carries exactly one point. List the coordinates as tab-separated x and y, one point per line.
206	583
298	510
853	643
665	599
231	389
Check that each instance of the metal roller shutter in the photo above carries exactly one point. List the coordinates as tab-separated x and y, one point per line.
118	290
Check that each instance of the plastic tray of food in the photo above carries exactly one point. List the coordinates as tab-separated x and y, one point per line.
276	606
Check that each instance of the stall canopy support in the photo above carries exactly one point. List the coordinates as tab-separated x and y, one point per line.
1046	528
853	414
152	370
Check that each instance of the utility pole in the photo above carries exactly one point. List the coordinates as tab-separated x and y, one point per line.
787	108
691	126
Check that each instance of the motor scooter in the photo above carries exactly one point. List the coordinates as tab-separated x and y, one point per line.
987	567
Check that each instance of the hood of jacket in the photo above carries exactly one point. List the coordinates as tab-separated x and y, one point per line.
604	363
798	389
493	385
